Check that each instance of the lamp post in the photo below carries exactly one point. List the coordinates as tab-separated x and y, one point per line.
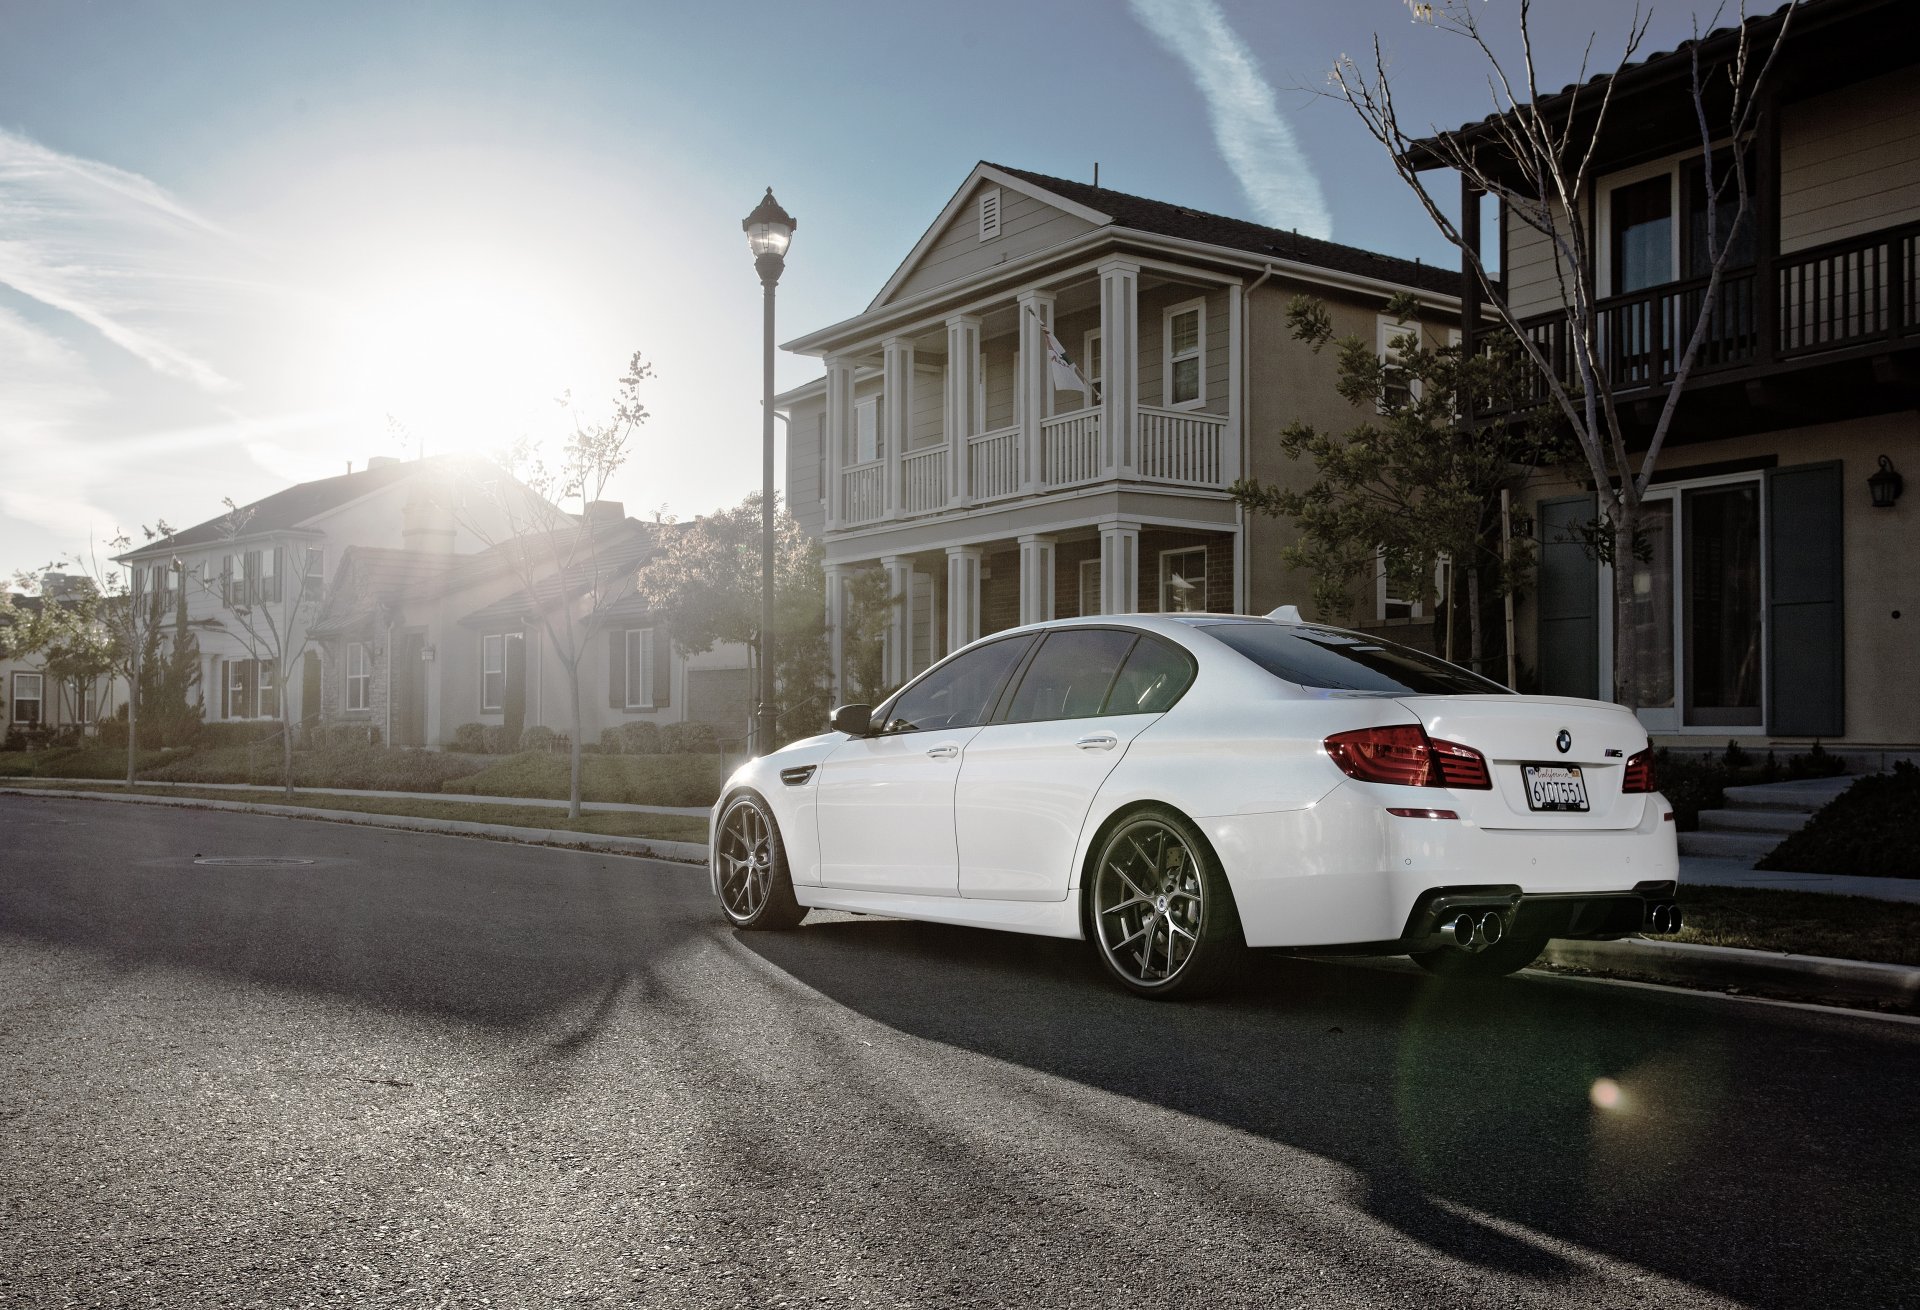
769	230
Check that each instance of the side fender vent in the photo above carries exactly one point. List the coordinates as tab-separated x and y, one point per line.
798	777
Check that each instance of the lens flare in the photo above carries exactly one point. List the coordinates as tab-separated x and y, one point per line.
1605	1094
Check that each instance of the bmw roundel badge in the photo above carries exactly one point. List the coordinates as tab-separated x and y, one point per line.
1564	741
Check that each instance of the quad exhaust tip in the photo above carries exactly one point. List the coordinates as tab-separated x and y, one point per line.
1664	917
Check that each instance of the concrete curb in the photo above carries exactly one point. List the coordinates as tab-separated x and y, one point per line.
678	851
1894	985
458	797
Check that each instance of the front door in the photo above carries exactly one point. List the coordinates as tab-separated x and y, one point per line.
885	802
1028	781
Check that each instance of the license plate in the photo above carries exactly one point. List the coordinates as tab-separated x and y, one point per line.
1555	787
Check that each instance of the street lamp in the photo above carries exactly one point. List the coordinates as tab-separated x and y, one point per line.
769	230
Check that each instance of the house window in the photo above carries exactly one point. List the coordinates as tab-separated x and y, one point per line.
1396	387
239	688
359	677
1387	603
1696	254
268	562
268	704
27	697
493	672
990	213
866	430
1090	586
1642	233
639	668
316	570
1094	359
1184	329
1183	580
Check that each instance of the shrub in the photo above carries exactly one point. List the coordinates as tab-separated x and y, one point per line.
1872	828
494	740
689	738
1816	763
1691	785
538	737
471	738
1736	757
639	738
634	779
609	741
228	734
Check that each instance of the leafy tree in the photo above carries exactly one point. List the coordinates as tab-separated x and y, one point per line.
705	587
1538	159
870	603
1413	482
63	627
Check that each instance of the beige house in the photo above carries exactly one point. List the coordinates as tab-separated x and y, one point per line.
1780	602
32	700
942	447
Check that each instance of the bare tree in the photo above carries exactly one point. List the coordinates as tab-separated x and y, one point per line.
569	570
1539	161
270	601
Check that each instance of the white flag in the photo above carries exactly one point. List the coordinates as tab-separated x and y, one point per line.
1066	376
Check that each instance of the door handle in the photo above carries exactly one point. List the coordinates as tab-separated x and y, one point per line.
946	752
1098	741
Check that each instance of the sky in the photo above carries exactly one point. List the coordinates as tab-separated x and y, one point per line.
247	244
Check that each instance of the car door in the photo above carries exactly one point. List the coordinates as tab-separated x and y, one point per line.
1028	779
885	801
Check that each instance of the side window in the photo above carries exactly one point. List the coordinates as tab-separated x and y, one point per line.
1153	678
960	692
1071	675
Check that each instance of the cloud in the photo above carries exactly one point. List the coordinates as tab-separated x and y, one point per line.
1257	143
115	252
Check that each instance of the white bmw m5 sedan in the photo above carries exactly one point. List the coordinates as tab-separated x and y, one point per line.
1178	789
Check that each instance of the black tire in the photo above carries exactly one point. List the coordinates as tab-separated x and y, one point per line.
1508	955
756	889
1159	911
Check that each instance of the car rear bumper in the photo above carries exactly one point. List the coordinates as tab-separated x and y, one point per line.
1346	871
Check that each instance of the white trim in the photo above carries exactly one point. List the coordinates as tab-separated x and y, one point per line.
1183	550
1198	308
1416	609
39	697
646	668
1090	340
499	642
866	430
1386	328
1092	564
365	679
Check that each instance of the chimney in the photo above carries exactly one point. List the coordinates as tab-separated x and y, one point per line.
426	521
604	513
381	462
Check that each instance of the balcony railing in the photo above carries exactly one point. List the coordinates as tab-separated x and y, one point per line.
1180	446
923	479
993	464
863	490
1070	448
1850	293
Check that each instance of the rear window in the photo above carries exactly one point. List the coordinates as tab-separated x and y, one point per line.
1347	661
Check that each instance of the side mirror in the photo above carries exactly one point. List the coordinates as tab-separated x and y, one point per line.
854	720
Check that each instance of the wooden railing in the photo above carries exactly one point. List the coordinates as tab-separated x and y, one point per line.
863	492
1070	448
1850	293
923	479
993	464
1179	446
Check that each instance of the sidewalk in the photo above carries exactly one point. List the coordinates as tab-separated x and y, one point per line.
687	811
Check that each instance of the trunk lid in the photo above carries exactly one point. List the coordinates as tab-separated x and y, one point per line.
1514	732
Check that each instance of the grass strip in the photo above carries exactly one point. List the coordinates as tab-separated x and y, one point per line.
1802	923
601	823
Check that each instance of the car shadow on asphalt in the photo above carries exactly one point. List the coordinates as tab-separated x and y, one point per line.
1489	1122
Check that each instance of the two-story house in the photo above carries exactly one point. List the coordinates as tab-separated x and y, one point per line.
1779	598
939	447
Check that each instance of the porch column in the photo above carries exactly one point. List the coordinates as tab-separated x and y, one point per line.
1120	360
896	420
836	632
963	596
839	434
898	657
963	355
1036	578
1119	568
1231	441
1033	391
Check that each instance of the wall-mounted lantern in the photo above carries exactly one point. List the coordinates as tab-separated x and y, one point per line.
427	653
1886	485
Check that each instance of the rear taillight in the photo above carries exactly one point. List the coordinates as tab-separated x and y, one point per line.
1406	757
1639	775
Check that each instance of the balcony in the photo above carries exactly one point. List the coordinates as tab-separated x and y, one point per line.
1174	448
1857	295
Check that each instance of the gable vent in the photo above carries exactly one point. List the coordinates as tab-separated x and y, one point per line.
990	213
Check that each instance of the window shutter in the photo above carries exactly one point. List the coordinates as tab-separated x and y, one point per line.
1569	653
617	669
662	669
1806	655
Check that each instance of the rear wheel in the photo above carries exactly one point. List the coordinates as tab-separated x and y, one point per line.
1163	918
756	890
1508	955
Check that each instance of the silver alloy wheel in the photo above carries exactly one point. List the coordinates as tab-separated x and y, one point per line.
745	854
1149	901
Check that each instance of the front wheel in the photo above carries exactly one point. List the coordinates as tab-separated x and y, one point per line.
1163	918
756	890
1508	955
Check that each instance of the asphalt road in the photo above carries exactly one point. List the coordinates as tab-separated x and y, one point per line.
425	1070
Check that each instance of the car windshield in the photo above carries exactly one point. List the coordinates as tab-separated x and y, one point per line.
1346	661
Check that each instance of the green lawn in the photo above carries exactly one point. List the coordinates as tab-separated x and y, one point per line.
627	779
1802	923
661	827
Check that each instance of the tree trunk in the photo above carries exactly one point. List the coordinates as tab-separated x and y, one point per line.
133	713
286	742
1626	634
1476	648
573	748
